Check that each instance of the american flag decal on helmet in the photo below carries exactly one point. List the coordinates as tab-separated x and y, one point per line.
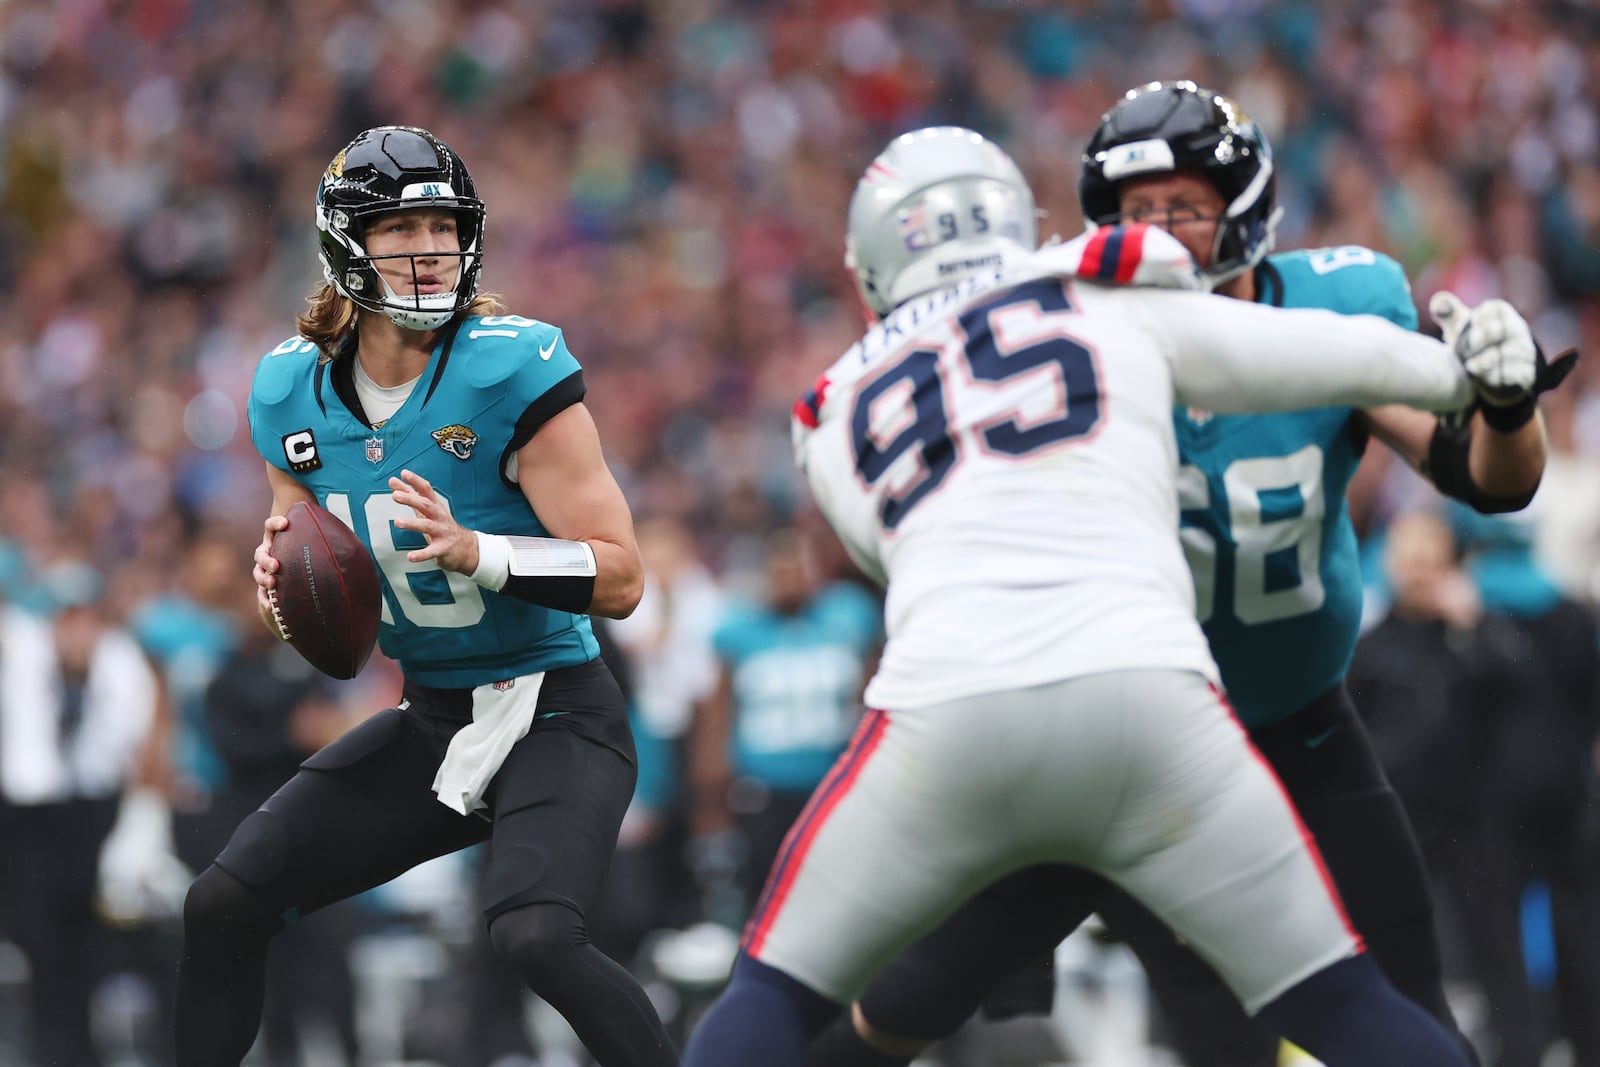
913	223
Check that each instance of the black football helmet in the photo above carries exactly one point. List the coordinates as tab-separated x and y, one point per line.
387	169
1178	126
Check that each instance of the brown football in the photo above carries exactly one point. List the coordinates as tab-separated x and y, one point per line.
327	599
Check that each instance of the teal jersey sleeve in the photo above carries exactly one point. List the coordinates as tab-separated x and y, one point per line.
525	362
486	391
275	402
1264	522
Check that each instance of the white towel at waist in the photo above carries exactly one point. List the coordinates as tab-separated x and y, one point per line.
502	713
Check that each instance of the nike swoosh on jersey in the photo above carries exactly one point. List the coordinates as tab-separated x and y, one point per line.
1316	739
546	353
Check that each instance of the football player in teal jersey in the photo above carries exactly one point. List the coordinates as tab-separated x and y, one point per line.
1278	589
454	440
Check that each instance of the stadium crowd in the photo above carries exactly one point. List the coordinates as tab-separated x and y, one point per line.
668	183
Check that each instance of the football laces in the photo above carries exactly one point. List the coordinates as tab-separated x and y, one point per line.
277	616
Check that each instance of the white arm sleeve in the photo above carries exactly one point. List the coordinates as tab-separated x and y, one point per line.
1230	356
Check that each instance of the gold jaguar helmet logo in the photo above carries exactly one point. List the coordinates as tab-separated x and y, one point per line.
456	439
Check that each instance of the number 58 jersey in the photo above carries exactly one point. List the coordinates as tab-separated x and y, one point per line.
1001	454
1265	523
485	392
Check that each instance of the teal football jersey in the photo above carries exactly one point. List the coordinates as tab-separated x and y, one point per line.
483	395
1265	527
796	682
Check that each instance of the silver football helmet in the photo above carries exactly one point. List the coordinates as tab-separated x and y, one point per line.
937	205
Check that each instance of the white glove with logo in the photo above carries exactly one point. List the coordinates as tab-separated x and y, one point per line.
1494	345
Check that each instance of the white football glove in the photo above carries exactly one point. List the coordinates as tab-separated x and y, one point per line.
1494	345
141	879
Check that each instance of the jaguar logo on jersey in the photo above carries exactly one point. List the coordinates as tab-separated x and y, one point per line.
456	439
300	449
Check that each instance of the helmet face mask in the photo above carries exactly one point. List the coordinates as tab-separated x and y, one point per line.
386	170
1166	127
937	205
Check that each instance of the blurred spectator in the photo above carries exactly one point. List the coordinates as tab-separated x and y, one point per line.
699	159
1481	697
77	699
1566	511
647	887
667	639
189	628
792	668
1429	680
1544	824
664	648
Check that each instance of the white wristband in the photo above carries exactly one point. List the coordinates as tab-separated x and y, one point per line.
494	561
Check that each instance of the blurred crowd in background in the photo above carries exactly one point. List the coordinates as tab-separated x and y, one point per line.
667	182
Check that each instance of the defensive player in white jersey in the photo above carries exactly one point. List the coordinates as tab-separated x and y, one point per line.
1278	587
1000	452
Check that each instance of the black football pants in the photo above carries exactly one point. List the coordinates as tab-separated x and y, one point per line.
362	811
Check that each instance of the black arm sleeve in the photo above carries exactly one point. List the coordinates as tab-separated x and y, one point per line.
1449	467
563	593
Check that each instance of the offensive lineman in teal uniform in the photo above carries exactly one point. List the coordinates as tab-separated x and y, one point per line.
454	441
1278	589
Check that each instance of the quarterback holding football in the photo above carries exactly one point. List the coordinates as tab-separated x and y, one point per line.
452	439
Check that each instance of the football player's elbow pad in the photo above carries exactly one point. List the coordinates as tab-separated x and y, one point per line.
546	571
1449	467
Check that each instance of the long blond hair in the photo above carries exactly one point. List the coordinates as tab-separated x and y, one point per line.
331	318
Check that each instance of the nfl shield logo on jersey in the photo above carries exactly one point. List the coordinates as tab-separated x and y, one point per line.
374	450
1199	416
501	687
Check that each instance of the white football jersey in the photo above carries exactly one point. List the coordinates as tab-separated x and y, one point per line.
1001	454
